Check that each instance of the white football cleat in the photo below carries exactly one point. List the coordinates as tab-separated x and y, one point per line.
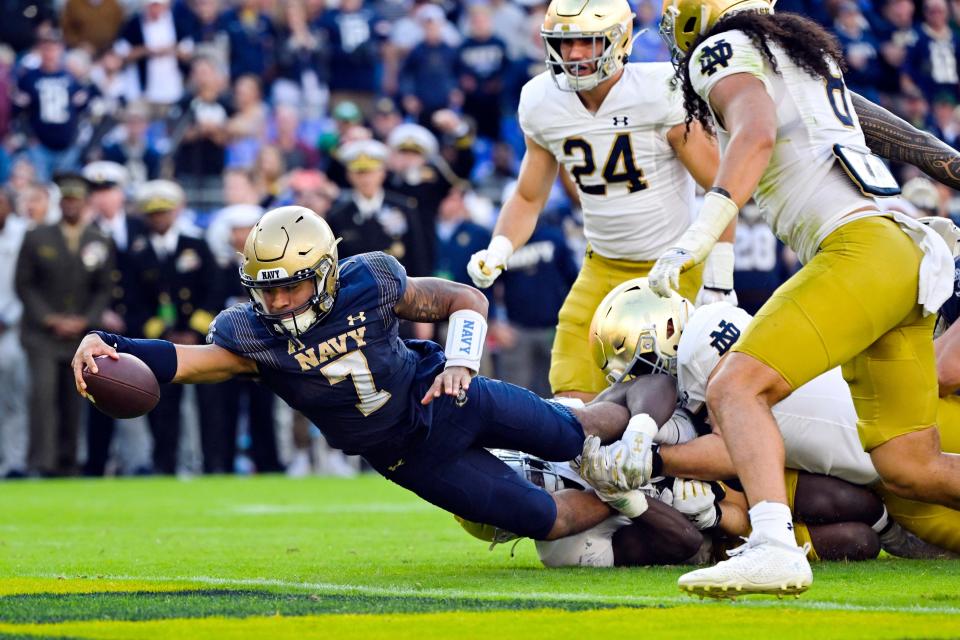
761	566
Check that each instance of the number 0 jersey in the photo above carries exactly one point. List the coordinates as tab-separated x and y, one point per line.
350	374
637	196
803	193
818	421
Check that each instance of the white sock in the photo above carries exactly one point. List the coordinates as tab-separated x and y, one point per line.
774	521
882	523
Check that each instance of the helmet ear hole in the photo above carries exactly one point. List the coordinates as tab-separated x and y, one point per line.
689	25
670	328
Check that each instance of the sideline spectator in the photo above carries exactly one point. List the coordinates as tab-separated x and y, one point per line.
91	23
14	368
53	102
481	64
149	45
933	62
63	279
428	77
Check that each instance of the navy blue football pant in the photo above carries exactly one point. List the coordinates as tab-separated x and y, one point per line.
452	469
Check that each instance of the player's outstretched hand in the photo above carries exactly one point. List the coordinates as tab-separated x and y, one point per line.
90	347
665	274
450	382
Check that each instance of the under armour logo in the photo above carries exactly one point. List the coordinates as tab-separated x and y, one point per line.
724	337
360	317
617	121
789	526
396	466
712	58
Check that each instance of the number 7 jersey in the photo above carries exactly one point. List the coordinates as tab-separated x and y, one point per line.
636	195
350	373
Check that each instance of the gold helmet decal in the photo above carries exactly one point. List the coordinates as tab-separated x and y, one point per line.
287	246
634	331
606	24
683	21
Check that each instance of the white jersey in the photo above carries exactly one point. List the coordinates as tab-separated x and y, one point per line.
818	421
804	193
592	548
637	196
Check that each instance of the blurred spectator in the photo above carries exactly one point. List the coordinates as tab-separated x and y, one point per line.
346	118
286	137
131	148
7	92
896	34
457	238
428	77
110	82
241	397
107	199
311	189
247	127
759	264
648	46
369	218
252	39
269	169
35	206
355	55
53	102
499	173
172	298
860	49
240	187
536	281
200	134
507	18
63	278
924	196
946	119
149	45
202	32
386	117
414	176
481	64
91	23
932	63
14	368
23	20
303	71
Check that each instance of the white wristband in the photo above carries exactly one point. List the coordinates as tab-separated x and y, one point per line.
499	251
466	333
716	213
718	268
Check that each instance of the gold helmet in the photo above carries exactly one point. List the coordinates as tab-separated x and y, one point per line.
684	21
635	331
287	246
607	22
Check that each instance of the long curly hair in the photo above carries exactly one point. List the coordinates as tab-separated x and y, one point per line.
807	43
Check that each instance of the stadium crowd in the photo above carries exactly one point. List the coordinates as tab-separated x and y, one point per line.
141	141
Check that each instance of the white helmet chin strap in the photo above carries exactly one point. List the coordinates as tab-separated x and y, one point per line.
301	322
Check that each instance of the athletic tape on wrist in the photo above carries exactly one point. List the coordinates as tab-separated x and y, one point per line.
465	337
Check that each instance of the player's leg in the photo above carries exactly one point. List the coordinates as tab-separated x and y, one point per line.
477	486
932	523
948	422
821	499
506	416
847	541
845	298
572	370
660	536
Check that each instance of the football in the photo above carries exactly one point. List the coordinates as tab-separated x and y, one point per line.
124	388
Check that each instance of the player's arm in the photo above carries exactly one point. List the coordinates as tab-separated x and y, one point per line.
465	308
661	535
947	348
741	102
518	216
168	362
896	139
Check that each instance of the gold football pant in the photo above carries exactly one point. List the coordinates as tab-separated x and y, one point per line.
930	522
571	365
800	530
855	305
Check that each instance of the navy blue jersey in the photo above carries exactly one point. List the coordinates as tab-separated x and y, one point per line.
54	102
350	374
950	310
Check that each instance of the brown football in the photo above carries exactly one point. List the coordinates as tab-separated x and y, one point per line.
124	388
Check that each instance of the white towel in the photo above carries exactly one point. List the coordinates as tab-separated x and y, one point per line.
936	268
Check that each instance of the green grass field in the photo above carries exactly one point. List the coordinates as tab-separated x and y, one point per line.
329	558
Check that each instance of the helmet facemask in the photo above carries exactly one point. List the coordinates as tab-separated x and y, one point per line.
611	59
297	321
648	358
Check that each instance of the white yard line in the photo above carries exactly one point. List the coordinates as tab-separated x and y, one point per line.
545	597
